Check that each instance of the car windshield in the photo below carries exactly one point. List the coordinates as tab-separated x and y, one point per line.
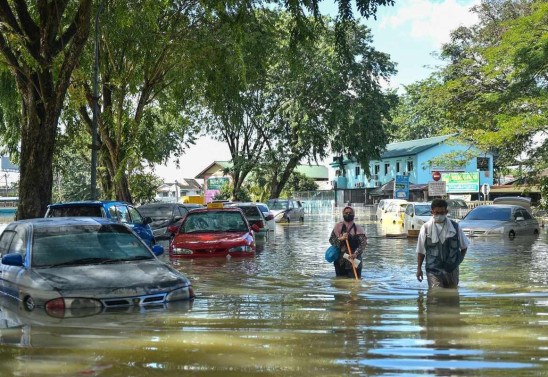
490	213
250	211
422	210
277	204
86	244
263	208
214	221
156	212
72	211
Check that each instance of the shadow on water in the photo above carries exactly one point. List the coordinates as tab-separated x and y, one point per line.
284	313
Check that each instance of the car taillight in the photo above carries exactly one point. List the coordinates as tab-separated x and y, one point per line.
56	308
73	307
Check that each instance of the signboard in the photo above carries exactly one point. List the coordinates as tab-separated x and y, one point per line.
437	188
401	187
436	176
215	183
461	182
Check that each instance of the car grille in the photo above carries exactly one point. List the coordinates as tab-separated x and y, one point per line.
211	251
473	233
134	301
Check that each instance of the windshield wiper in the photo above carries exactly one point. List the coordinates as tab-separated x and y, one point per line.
136	257
77	262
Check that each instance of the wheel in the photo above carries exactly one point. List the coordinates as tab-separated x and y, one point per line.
535	232
28	304
512	234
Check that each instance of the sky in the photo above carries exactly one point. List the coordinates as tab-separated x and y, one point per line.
410	32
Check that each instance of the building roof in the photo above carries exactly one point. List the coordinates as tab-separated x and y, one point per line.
184	184
316	172
412	147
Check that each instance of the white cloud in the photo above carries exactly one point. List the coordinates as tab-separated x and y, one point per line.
430	20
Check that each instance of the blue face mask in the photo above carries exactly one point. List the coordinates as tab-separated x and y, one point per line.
439	218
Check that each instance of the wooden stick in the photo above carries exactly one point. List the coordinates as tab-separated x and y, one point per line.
351	260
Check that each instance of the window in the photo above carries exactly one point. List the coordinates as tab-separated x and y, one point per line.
357	171
135	215
483	163
19	243
409	166
377	169
5	242
397	167
386	169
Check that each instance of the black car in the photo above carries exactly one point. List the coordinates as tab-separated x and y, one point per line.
164	215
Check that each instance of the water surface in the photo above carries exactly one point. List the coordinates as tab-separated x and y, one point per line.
283	313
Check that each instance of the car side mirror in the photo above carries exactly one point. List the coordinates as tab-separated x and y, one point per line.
13	259
158	250
269	217
255	228
147	220
173	229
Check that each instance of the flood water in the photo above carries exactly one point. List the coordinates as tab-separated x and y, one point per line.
283	313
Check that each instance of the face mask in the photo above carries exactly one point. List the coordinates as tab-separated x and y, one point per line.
348	218
439	218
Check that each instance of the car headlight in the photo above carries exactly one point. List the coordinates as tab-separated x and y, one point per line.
498	230
185	293
73	307
240	249
280	215
181	251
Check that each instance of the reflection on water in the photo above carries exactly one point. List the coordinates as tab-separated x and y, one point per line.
284	313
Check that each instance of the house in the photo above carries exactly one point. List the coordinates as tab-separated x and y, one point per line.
415	164
173	192
216	175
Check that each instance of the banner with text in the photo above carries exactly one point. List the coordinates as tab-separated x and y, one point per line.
461	182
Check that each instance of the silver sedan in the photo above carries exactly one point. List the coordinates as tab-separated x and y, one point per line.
499	220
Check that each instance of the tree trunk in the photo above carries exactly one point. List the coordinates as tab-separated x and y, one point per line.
38	133
278	185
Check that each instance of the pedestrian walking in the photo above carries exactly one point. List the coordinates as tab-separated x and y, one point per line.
443	245
347	234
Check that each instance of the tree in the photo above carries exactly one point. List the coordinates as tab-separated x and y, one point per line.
494	86
41	45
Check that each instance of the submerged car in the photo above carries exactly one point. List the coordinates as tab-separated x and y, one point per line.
416	214
383	205
75	266
499	220
268	215
254	215
457	208
213	232
164	215
122	212
286	210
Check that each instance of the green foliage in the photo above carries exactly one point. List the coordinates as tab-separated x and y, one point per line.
298	182
143	187
227	192
494	87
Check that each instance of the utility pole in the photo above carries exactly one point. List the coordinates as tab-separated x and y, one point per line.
95	109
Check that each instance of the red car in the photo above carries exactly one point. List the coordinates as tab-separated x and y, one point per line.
213	232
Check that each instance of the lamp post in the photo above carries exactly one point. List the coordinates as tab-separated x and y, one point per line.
95	109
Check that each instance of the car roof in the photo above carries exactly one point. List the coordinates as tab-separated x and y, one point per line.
224	209
513	206
64	221
162	204
91	203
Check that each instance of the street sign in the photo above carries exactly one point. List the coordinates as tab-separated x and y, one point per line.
485	188
438	188
436	176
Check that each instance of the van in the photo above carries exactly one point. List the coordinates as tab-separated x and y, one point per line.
383	205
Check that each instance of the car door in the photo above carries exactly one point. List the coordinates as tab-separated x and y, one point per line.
134	220
525	226
13	241
408	217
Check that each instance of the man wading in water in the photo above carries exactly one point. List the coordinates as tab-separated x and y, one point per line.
348	230
443	244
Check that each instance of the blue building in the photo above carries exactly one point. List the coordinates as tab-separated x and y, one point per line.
462	167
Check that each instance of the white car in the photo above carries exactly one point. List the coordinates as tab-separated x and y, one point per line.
383	205
416	214
268	215
393	212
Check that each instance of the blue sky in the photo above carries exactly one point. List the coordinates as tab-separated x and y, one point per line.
409	32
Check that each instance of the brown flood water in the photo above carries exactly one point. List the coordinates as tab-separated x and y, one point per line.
283	313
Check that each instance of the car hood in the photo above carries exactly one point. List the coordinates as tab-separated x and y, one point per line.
120	279
276	212
210	238
481	224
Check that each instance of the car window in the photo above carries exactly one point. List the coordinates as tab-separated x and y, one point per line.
250	211
134	215
86	244
19	242
409	209
489	213
70	211
523	213
5	241
156	212
278	205
263	208
422	210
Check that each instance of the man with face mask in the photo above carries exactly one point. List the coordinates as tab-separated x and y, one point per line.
355	234
443	244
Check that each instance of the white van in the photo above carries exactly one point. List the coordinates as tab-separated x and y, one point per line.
416	214
385	203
